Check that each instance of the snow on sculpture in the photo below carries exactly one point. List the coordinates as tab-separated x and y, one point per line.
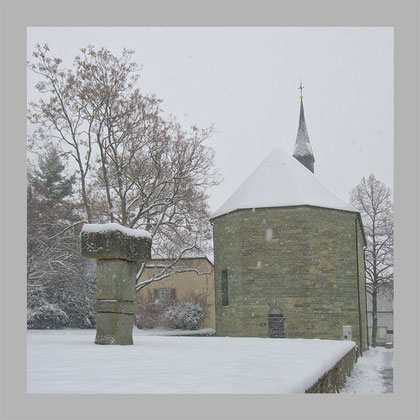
119	251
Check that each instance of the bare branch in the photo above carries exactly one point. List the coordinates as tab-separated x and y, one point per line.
66	229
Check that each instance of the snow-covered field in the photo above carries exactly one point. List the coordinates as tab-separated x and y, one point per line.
68	361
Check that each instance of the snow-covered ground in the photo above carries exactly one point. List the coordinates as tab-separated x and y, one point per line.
366	377
68	361
168	332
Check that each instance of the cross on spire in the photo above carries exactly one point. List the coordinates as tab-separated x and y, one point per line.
301	88
303	149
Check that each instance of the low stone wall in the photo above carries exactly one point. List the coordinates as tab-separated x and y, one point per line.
335	378
198	334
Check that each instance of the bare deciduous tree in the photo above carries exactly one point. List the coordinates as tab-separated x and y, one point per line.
59	117
134	167
374	201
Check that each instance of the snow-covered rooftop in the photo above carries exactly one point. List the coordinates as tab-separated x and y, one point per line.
279	181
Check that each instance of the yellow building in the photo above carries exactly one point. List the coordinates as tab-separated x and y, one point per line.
183	285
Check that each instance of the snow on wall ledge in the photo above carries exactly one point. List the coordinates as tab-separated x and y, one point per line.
335	379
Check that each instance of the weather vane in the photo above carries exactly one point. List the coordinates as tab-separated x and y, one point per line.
301	88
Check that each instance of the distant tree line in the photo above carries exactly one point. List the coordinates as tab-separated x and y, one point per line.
102	151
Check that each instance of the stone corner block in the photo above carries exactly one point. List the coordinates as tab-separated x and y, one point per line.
109	241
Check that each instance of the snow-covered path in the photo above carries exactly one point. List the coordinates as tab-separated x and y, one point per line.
373	373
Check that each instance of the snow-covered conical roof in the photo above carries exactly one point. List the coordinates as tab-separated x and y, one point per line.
303	150
280	180
302	146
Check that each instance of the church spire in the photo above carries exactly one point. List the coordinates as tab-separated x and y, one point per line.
303	150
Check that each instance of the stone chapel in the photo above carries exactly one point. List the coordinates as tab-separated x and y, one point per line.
289	254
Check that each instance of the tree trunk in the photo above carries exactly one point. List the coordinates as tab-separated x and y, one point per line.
85	198
374	317
106	180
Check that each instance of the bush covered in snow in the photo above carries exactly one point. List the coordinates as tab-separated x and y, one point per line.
47	316
149	313
187	315
63	299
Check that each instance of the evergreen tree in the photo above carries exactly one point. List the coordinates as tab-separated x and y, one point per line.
50	180
59	292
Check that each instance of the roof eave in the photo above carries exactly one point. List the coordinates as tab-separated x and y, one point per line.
291	206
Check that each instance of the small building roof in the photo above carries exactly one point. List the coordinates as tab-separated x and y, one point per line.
209	258
280	181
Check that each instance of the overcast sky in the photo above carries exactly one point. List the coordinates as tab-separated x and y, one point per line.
245	82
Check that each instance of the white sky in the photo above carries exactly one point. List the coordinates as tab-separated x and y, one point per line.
245	82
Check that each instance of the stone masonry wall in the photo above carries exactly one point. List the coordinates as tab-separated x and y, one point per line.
298	261
333	380
227	251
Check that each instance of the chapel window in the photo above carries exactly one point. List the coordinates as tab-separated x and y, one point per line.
225	295
164	293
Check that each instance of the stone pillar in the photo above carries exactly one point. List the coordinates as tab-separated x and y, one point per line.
119	252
